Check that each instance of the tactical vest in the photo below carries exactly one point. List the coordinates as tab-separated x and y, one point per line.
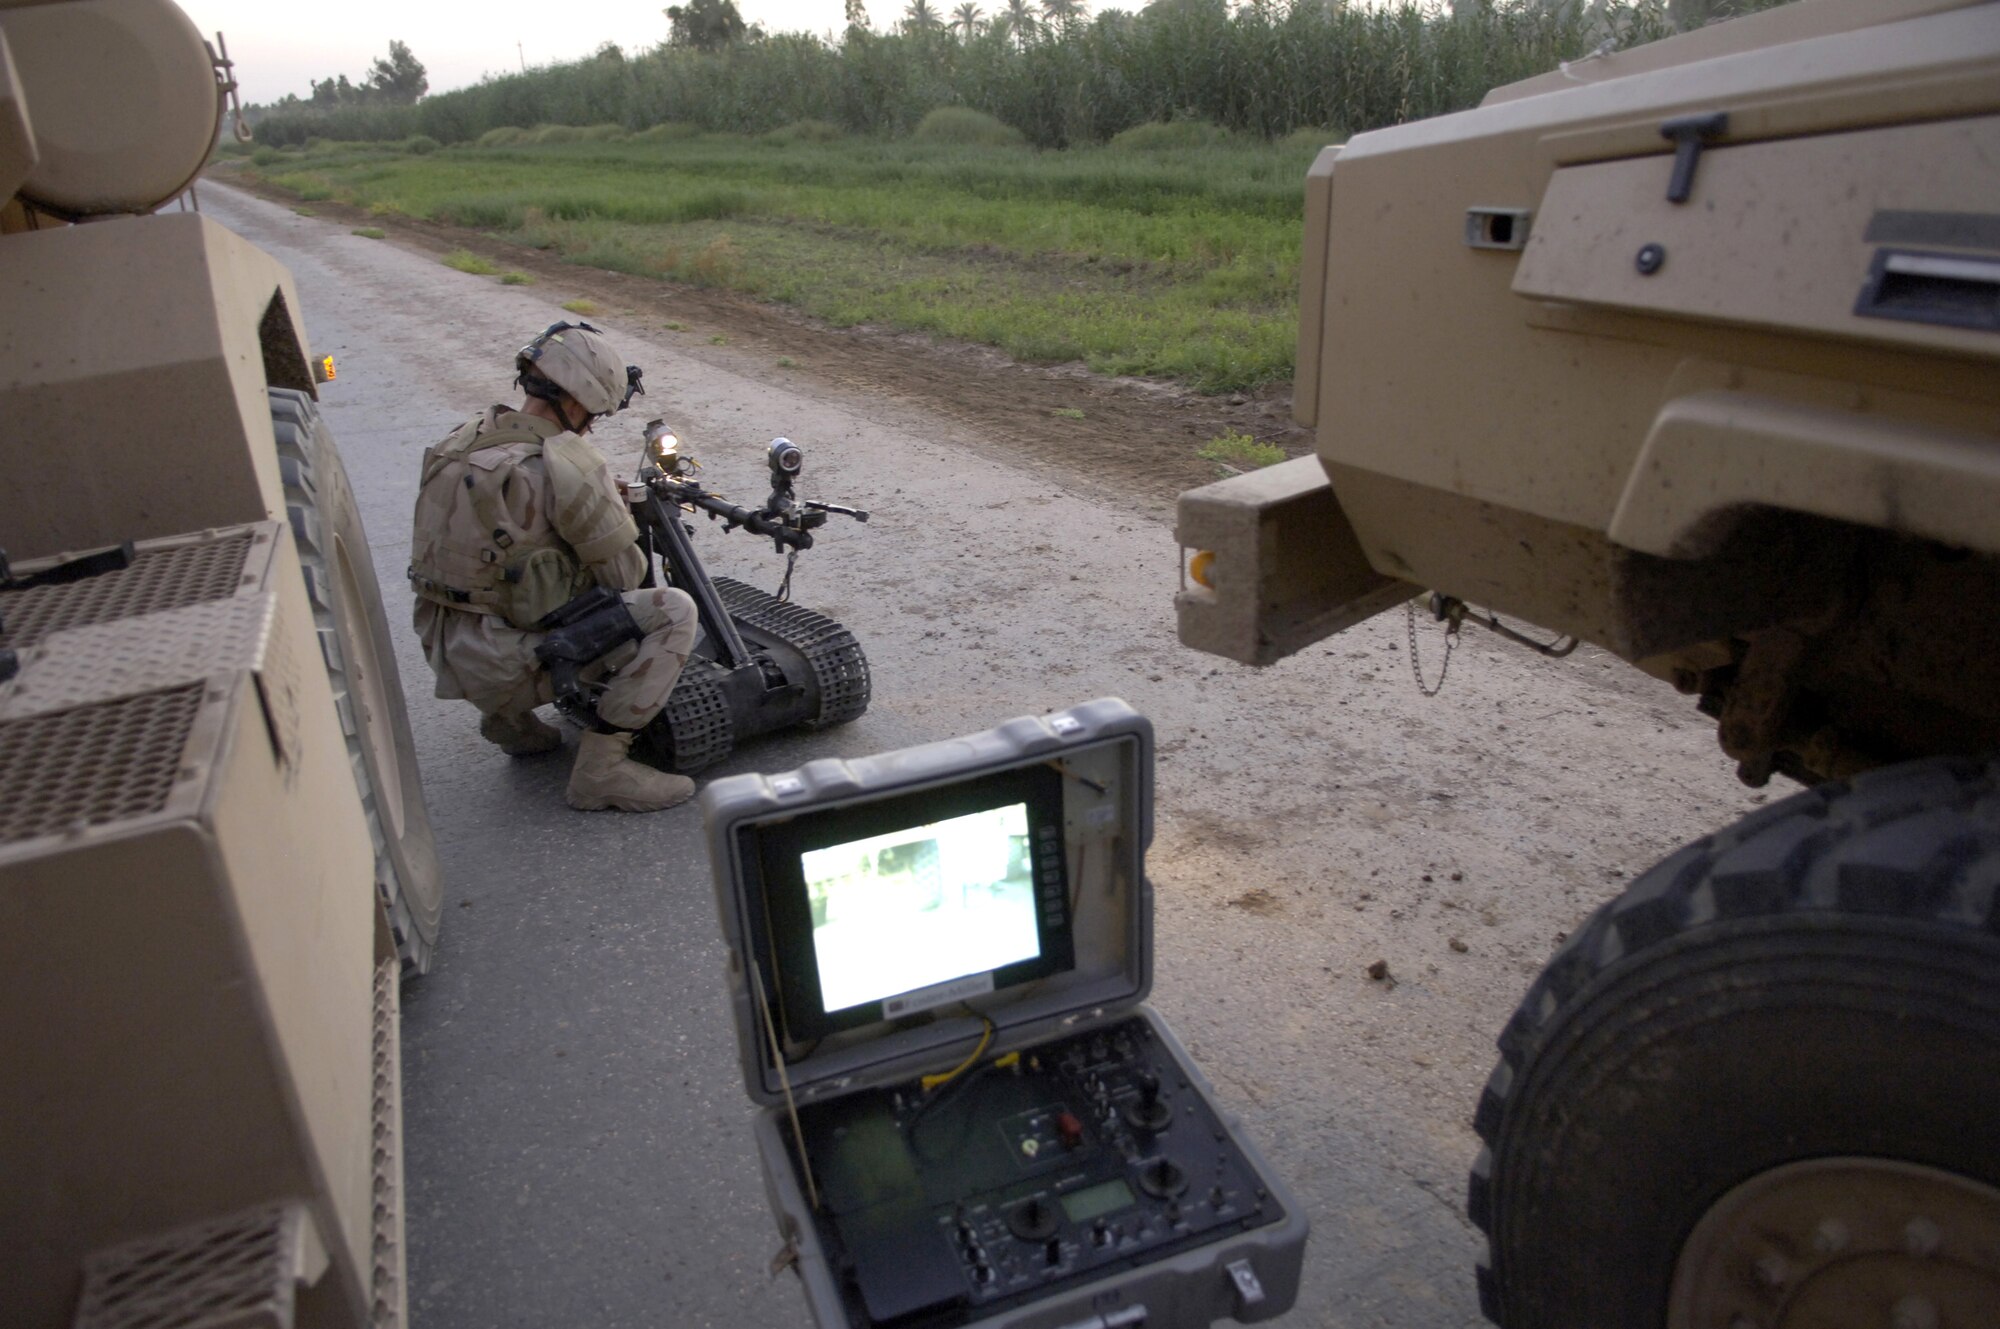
490	533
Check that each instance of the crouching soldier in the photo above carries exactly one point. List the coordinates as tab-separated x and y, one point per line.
517	515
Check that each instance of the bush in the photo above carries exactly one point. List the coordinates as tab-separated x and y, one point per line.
421	144
805	131
267	157
346	124
576	133
673	131
1168	135
962	124
516	279
506	136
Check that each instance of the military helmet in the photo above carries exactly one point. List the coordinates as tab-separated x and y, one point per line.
576	358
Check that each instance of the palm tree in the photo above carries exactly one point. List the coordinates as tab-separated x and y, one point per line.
966	19
1060	13
920	17
1021	19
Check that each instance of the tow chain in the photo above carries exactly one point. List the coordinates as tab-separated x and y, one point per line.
1454	619
1453	612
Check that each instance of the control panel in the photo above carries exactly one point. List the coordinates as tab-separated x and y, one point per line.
1050	1167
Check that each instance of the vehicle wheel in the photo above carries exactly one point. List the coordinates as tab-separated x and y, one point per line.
367	690
1762	1082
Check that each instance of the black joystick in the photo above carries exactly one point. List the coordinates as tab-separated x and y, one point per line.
1163	1179
1033	1220
1149	1113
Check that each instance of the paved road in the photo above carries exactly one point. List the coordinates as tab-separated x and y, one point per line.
577	1134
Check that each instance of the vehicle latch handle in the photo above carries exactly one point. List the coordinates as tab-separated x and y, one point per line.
1690	134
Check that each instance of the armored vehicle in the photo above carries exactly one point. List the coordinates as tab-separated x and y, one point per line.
1692	351
215	861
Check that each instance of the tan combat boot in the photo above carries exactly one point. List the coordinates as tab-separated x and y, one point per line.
520	735
605	776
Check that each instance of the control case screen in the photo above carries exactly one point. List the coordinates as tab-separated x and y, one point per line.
888	908
906	911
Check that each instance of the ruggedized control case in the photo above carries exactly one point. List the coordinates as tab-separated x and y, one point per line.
1072	1170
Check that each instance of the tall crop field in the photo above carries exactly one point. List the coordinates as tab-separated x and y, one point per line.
1266	67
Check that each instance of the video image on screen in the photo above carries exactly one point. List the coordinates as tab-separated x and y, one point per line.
897	912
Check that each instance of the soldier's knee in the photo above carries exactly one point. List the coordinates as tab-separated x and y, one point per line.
660	608
667	614
682	619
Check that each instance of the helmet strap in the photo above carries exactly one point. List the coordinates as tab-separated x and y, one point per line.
539	386
562	413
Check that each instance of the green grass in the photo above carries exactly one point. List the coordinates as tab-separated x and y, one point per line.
1175	261
516	279
466	261
1067	413
584	307
1241	451
371	232
305	212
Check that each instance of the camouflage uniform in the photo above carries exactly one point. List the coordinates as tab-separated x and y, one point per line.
514	517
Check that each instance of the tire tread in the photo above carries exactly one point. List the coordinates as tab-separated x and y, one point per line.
294	420
1895	841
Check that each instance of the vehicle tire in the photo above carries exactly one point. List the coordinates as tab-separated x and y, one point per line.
1820	982
367	688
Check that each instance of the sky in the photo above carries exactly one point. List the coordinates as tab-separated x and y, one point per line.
281	48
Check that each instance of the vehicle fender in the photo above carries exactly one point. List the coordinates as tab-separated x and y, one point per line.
1712	456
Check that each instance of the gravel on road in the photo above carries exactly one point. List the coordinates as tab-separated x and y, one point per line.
1354	883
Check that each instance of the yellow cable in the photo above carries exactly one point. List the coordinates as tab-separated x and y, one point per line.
930	1082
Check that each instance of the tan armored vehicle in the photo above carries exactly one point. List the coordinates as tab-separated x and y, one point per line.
214	856
1693	351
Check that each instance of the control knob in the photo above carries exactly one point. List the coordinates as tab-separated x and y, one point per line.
1149	1113
1033	1220
1163	1179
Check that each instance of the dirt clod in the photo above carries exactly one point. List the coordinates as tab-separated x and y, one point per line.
1379	971
1458	945
1256	901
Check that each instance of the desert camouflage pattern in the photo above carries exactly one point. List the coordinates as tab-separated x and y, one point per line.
579	361
510	490
481	659
515	515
